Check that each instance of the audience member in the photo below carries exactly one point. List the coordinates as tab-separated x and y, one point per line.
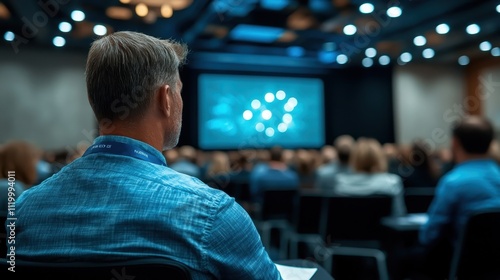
120	200
218	170
274	174
326	174
421	169
328	154
186	162
473	184
21	158
305	166
370	175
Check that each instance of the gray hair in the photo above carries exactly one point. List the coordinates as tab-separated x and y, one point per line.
125	68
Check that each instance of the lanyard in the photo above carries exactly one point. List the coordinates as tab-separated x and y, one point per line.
123	149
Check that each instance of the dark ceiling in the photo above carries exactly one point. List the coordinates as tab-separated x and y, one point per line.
302	30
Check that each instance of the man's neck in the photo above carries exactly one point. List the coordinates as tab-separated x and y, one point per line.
468	157
142	132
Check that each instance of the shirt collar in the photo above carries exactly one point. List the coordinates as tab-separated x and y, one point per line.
131	141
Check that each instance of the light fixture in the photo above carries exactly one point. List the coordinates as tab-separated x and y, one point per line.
405	57
495	51
442	28
371	52
485	46
473	29
366	8
342	59
419	41
9	36
463	60
384	59
65	26
498	8
59	41
367	62
166	11
100	30
350	29
428	53
141	10
77	15
394	12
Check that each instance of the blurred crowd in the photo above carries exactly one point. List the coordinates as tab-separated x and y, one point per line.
348	166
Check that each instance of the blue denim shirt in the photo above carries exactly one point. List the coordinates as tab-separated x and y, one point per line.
105	207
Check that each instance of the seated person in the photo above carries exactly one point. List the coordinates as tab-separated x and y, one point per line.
120	200
473	184
326	174
22	158
272	175
370	176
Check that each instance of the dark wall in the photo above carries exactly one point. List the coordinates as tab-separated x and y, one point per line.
358	101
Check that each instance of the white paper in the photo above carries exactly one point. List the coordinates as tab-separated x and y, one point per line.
295	273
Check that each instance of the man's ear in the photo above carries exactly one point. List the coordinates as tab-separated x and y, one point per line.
164	101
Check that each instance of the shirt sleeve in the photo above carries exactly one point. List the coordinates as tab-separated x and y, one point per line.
440	215
234	248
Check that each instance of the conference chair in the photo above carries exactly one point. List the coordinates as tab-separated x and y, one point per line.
142	269
418	199
477	255
275	213
352	228
306	220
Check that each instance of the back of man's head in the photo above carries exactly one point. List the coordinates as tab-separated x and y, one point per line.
276	153
344	144
474	134
125	68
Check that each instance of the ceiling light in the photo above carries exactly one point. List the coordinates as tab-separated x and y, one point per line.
495	51
77	15
166	11
350	29
498	8
405	57
100	30
419	40
394	12
59	41
384	60
443	28
125	1
366	8
473	29
367	62
463	60
9	36
371	52
485	46
141	10
65	26
428	53
342	59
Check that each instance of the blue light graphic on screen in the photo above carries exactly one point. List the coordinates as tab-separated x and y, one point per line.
237	112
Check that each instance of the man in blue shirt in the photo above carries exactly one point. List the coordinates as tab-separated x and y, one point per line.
120	200
473	184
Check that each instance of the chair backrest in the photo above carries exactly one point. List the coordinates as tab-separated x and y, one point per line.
156	268
278	204
477	255
418	199
355	217
309	211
